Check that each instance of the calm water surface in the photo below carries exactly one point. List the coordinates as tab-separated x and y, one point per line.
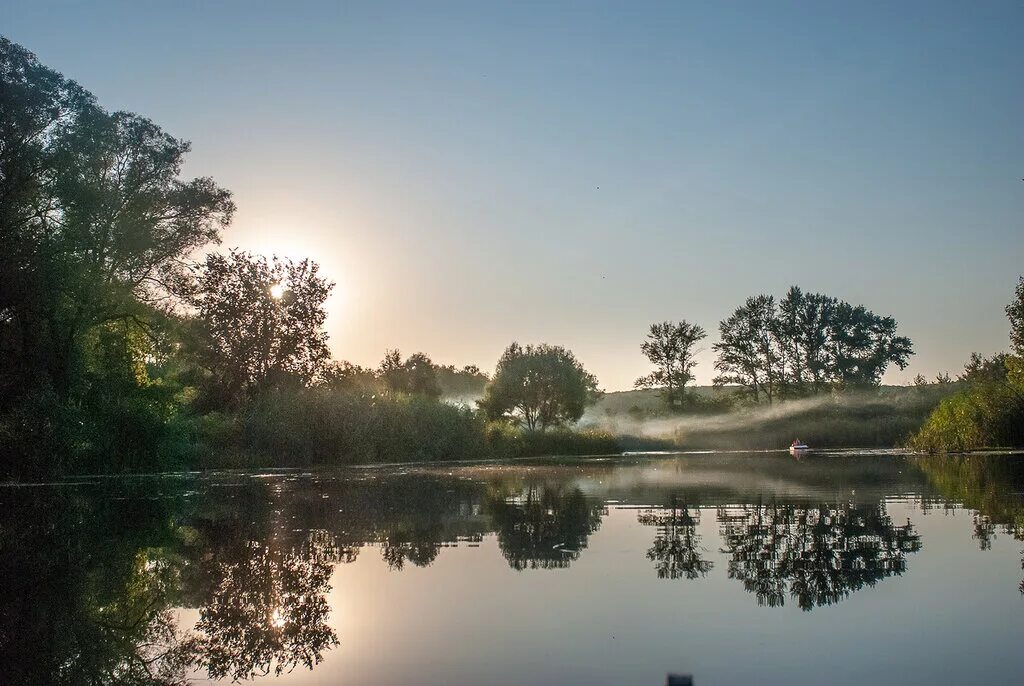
838	568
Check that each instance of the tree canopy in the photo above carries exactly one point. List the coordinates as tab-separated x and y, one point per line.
95	228
539	386
805	343
260	322
670	347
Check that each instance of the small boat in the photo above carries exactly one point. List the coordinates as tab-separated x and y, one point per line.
799	448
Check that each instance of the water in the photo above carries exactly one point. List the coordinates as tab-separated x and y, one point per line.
739	569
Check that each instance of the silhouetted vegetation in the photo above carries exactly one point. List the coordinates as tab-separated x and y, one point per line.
118	354
670	347
805	343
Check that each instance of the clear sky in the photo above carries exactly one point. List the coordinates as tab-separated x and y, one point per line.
474	173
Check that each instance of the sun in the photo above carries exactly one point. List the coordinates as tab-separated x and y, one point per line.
276	291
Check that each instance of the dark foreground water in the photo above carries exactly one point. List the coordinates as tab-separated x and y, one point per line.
739	569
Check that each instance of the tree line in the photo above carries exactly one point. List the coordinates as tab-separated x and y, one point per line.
117	346
771	349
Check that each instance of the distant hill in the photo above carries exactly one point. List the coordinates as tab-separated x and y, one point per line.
618	402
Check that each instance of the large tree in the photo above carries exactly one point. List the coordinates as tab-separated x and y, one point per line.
95	225
539	386
670	346
804	343
94	219
260	323
748	351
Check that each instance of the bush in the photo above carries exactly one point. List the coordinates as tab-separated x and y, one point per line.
983	415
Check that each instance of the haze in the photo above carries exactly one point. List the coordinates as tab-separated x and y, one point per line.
471	174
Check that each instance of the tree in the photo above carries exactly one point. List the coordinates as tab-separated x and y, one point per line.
981	369
670	347
95	225
343	375
1015	313
748	350
539	386
261	322
415	376
804	344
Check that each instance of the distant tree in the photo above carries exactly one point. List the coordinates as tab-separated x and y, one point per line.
466	382
670	347
802	331
920	380
539	386
415	376
261	322
1015	313
861	345
804	344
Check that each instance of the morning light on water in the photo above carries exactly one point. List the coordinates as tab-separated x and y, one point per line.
566	343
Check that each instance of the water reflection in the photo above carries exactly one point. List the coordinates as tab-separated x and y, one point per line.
267	611
544	526
97	575
815	555
677	552
990	485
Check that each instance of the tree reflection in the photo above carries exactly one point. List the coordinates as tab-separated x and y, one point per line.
991	485
82	604
268	612
543	527
676	552
419	546
816	555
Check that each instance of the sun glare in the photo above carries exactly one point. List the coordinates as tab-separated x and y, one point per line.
276	291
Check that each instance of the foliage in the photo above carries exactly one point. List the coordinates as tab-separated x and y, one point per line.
805	343
989	411
468	382
986	414
318	426
1015	313
539	386
260	322
670	347
415	376
94	225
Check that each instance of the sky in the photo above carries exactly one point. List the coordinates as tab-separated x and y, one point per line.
470	174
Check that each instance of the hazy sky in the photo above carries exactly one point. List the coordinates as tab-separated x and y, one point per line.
470	173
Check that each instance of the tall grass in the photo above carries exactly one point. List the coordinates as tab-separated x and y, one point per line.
982	415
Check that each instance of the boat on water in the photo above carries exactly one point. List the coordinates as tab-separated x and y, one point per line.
798	448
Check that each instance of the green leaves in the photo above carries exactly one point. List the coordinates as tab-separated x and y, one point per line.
539	386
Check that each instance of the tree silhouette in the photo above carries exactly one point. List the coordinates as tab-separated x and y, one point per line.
670	347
